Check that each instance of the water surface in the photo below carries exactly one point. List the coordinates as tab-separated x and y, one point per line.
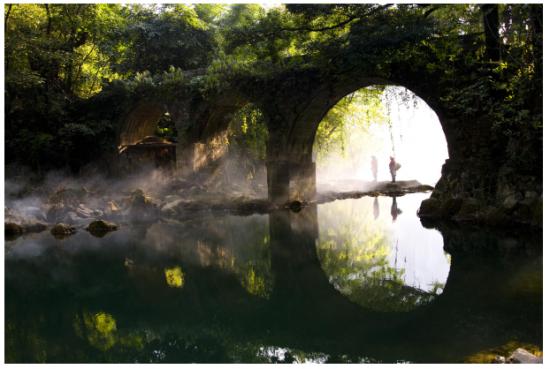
356	280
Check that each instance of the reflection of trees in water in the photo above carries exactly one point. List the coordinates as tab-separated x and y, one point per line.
355	254
249	253
224	243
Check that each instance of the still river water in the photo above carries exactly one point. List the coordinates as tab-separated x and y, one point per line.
359	280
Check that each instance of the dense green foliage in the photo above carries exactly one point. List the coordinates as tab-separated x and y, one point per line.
487	60
360	109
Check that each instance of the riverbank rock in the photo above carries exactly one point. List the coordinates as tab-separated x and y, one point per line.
100	228
61	230
12	230
522	356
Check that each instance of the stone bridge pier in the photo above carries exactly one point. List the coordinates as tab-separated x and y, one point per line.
289	180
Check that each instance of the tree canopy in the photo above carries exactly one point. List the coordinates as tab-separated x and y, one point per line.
58	55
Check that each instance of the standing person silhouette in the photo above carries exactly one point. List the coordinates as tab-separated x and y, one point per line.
374	167
393	168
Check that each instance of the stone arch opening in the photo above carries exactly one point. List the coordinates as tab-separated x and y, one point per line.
300	182
230	155
140	122
247	137
147	139
356	137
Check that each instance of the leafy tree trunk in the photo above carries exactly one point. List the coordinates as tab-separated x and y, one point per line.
49	26
7	16
491	26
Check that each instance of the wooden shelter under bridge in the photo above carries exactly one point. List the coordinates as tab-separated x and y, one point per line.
150	152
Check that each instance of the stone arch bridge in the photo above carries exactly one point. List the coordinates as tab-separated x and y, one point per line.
477	176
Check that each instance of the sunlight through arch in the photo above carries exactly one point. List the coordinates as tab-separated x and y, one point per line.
380	121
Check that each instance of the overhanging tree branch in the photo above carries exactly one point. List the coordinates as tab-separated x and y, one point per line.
335	26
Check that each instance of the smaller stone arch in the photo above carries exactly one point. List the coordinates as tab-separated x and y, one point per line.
140	122
141	146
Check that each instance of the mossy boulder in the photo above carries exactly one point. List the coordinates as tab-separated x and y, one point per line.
61	230
100	228
13	230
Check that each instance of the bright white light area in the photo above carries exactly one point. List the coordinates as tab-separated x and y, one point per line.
410	130
420	144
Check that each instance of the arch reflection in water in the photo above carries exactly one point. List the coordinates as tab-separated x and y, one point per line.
386	261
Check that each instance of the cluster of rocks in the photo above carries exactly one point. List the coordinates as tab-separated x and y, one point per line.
66	210
69	209
78	206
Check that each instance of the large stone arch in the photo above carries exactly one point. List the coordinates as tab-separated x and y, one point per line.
328	95
301	107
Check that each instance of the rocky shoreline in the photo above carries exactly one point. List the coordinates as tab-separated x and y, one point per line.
67	210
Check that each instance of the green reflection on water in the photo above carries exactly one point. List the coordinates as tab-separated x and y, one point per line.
174	277
355	252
